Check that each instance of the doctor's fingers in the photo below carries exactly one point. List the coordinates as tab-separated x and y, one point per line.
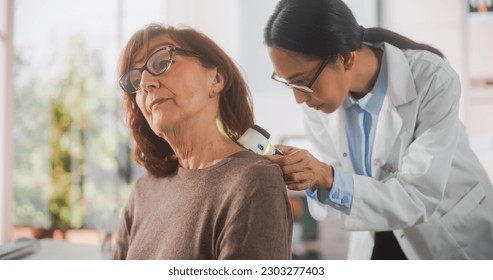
299	186
286	150
298	177
300	167
295	156
302	162
283	160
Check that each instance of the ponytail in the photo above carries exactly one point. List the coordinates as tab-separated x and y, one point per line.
377	35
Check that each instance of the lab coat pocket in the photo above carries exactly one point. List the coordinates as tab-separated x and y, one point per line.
466	204
467	222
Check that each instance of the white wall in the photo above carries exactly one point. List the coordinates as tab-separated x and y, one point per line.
218	19
480	45
365	11
6	118
440	23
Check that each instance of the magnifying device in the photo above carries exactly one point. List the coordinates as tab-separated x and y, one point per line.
256	139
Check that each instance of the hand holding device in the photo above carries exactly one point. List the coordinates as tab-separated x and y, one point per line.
302	170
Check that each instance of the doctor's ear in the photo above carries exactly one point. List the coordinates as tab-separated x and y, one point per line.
217	84
348	59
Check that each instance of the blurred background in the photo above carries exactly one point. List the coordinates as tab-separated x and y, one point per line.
65	156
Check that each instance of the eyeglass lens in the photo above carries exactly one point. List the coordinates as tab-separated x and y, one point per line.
156	64
308	87
304	88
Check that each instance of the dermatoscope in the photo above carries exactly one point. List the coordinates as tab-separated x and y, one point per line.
256	139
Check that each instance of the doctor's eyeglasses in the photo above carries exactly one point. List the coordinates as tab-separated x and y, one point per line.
307	87
157	63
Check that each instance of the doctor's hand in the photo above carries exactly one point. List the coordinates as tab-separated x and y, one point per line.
301	169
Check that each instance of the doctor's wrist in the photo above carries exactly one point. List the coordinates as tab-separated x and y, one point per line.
327	177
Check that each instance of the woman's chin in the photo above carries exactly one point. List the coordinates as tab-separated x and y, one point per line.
160	126
326	108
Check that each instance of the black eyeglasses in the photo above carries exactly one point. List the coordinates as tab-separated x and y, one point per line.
305	88
157	63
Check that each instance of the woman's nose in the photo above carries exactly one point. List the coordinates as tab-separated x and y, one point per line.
148	81
300	97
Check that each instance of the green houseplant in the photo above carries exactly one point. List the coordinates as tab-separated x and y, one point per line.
68	130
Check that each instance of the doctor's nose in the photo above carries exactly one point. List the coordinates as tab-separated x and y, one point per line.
300	96
148	82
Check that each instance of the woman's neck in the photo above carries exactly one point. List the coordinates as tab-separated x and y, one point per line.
367	69
200	145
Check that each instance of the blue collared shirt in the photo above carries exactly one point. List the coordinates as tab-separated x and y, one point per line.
360	119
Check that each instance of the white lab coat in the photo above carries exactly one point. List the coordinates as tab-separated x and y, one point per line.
427	185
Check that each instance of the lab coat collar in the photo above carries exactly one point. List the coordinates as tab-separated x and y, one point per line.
401	88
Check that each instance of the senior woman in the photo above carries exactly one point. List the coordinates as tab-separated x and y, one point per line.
203	196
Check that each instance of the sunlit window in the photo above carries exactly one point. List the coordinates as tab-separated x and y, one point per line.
73	165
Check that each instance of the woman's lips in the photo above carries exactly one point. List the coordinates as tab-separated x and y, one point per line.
157	102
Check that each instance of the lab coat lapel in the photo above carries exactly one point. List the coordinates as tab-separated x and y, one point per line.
400	90
388	127
337	130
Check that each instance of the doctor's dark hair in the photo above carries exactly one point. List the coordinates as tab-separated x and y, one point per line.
326	28
235	105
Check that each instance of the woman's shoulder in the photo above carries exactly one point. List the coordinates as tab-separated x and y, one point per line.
146	184
249	177
146	179
253	167
251	160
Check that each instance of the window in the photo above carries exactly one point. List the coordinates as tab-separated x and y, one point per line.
72	163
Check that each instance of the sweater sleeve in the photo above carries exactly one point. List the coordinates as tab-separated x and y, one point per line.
122	240
261	228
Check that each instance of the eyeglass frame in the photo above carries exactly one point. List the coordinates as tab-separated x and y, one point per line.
305	88
170	50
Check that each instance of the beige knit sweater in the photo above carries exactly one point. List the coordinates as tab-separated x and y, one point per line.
236	209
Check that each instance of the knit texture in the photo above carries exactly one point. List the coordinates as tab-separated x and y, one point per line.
236	209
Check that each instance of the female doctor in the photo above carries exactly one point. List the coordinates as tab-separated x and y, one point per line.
382	112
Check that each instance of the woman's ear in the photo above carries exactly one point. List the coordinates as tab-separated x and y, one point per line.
217	84
348	60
